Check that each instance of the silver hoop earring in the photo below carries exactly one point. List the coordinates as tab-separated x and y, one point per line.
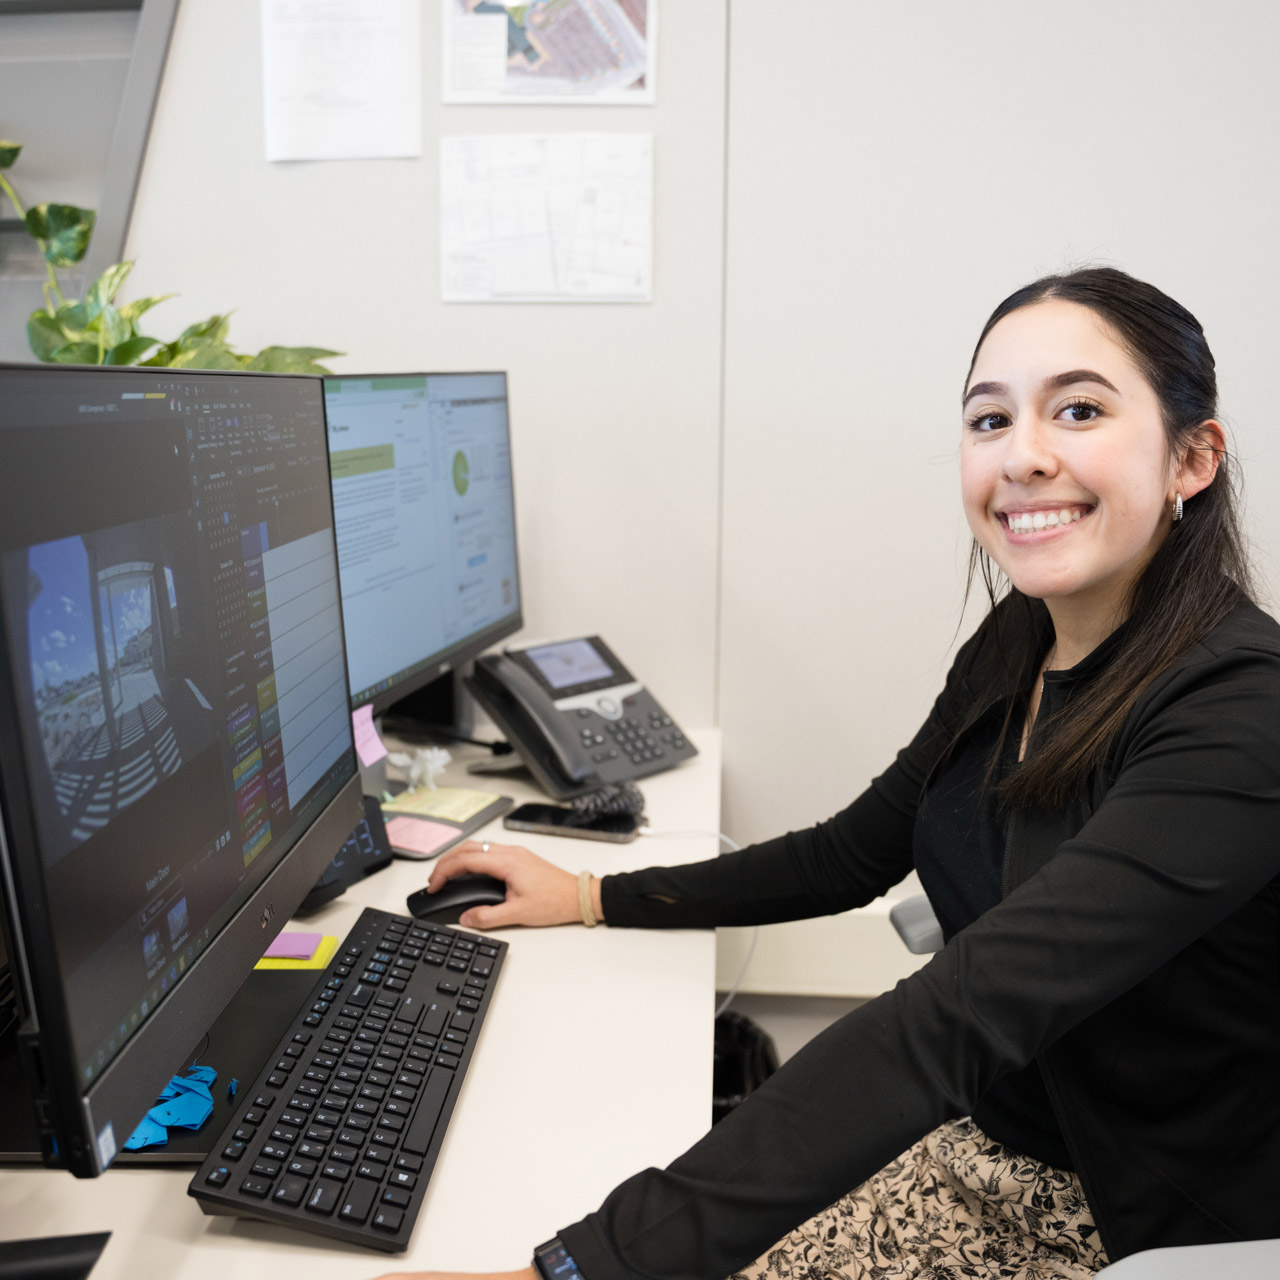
1177	507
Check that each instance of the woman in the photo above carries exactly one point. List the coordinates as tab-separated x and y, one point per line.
1094	809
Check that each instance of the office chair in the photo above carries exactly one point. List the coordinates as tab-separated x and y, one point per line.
921	933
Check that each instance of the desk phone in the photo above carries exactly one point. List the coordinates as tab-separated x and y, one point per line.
576	716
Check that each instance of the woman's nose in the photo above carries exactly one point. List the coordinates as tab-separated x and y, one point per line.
1028	452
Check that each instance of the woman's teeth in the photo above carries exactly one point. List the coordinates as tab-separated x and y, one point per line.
1031	521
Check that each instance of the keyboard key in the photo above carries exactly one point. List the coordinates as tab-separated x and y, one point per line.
418	1137
348	1155
266	1168
217	1177
324	1196
291	1190
259	1188
388	1219
338	1172
397	1196
359	1201
233	1150
303	1168
412	1163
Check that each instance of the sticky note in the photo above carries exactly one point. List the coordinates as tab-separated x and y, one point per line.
369	746
453	804
419	835
186	1111
325	952
147	1134
293	946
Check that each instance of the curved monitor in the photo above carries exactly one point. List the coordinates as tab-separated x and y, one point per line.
425	512
176	756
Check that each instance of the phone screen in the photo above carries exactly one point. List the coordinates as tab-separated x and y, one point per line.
561	821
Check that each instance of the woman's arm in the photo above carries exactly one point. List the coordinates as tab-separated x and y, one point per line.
1184	837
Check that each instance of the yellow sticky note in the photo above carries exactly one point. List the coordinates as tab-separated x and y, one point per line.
325	952
452	804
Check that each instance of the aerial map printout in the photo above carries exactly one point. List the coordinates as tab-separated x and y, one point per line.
565	217
553	51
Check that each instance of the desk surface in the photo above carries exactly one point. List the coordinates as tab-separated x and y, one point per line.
594	1062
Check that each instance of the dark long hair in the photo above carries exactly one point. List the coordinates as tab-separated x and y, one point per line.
1196	576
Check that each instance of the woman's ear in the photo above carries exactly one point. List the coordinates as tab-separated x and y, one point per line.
1200	458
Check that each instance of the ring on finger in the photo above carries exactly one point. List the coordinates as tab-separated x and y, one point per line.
484	846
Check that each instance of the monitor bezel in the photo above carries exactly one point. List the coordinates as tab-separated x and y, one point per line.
72	1119
456	656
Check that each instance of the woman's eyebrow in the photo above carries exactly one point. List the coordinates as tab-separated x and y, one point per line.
1054	383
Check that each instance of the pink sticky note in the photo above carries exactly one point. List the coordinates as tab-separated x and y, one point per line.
419	835
293	946
369	747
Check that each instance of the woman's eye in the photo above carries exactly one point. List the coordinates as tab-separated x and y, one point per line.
988	422
1082	411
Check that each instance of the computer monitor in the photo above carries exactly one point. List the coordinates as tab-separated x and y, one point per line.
425	513
176	756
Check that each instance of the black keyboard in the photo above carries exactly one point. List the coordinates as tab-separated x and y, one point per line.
341	1131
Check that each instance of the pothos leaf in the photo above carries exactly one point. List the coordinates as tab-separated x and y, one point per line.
66	230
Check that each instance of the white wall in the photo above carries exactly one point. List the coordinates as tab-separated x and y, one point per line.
893	171
615	409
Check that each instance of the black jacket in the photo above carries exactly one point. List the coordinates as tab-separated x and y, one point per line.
1135	956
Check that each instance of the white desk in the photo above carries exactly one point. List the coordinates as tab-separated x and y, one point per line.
594	1062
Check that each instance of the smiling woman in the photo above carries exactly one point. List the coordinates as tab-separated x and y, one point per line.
1087	1068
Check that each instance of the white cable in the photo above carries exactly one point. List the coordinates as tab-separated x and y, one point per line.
755	933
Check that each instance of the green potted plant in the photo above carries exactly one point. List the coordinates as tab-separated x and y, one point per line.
96	329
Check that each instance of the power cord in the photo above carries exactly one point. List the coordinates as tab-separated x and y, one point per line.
734	847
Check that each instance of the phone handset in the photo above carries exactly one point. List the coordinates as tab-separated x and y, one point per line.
556	731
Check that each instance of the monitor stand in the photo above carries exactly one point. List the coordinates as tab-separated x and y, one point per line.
237	1045
442	705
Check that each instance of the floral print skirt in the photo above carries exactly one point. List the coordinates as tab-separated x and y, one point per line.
956	1205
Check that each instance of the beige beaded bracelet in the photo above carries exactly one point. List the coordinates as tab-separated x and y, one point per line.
584	900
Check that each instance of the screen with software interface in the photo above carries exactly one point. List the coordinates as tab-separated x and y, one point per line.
172	621
425	516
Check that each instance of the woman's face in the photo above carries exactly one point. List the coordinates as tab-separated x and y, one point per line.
1065	472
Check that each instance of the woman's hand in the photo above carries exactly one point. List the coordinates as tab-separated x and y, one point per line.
538	893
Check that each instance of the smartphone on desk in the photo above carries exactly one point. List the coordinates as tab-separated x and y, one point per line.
555	820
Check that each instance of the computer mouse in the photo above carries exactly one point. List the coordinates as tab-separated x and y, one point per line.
447	905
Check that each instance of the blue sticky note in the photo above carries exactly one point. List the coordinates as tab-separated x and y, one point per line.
206	1075
147	1134
187	1111
179	1086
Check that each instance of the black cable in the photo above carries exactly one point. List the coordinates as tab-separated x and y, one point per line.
614	797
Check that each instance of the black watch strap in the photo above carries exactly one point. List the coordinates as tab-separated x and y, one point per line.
552	1261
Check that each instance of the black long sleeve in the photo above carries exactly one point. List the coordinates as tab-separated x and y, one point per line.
845	862
1142	879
